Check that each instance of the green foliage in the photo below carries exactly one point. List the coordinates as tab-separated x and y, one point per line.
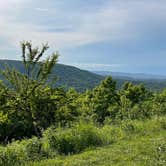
33	148
8	157
73	140
67	111
97	101
135	93
26	104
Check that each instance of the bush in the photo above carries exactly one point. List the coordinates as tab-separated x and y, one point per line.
111	134
33	149
21	151
12	155
73	140
88	135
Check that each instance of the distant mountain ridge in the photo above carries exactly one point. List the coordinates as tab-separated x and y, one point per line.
70	76
137	76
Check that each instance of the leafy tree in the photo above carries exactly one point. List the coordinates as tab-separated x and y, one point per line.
100	98
26	105
67	110
135	93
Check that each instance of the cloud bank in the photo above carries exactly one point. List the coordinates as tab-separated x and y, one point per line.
130	24
115	21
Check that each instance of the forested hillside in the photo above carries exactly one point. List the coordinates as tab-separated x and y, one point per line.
66	76
69	76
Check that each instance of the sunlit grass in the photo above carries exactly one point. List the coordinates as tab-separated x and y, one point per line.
143	151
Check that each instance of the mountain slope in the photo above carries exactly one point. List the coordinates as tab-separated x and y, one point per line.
67	76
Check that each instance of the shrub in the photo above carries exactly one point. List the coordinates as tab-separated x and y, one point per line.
73	140
33	149
111	134
88	135
19	152
12	155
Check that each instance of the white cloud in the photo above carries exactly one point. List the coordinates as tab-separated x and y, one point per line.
8	3
115	21
42	9
97	66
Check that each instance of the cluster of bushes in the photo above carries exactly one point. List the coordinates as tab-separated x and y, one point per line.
60	141
29	104
56	141
130	102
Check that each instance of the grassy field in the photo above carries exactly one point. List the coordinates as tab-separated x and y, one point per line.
135	151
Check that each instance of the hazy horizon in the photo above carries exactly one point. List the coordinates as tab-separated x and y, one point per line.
94	70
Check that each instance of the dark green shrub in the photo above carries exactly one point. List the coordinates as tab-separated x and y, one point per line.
72	140
20	152
12	155
33	149
88	135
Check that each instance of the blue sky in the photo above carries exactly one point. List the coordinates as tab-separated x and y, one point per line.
112	35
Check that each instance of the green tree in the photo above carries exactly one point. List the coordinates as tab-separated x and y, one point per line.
97	101
28	101
135	93
67	108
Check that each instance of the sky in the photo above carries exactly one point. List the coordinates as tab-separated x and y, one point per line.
104	35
